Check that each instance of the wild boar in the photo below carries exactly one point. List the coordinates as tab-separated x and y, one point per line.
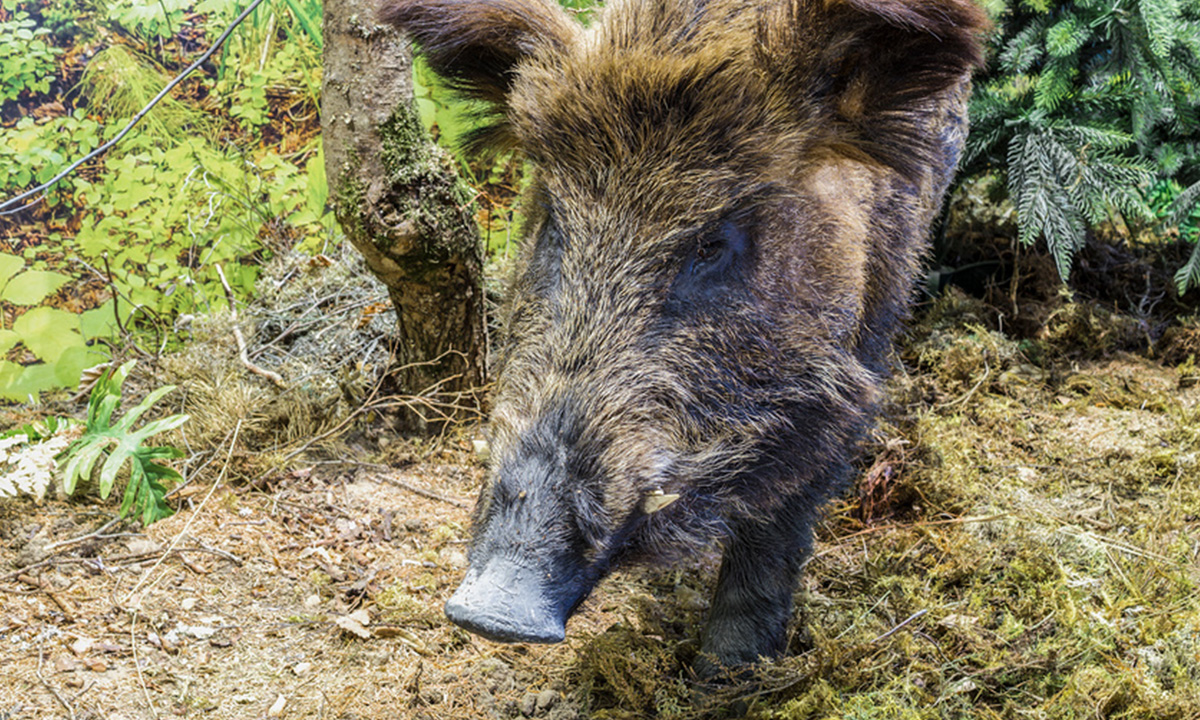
729	204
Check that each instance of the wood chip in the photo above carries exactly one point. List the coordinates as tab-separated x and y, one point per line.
353	627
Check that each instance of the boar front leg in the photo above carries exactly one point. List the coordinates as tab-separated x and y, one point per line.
759	572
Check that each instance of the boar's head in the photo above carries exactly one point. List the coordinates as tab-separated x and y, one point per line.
728	205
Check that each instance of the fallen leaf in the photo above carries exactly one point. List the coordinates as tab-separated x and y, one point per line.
353	627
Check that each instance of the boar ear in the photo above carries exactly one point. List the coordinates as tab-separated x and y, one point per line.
877	68
476	45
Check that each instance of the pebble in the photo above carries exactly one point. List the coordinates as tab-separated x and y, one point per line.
529	705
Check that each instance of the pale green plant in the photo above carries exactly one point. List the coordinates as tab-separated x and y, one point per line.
117	443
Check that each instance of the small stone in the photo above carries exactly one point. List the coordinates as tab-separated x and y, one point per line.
546	699
65	664
188	604
529	704
301	668
352	626
82	646
142	546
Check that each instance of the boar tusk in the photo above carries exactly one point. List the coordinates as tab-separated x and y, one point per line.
657	500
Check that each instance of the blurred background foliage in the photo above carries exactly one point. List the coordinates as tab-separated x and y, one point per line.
1085	130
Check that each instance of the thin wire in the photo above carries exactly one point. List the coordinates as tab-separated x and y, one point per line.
4	207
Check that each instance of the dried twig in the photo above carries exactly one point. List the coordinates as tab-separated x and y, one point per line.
416	490
889	633
95	534
66	705
274	377
413	402
47	588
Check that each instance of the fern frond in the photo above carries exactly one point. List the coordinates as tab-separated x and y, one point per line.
1065	37
1056	83
1162	21
1097	137
1185	204
1025	49
1043	206
1188	276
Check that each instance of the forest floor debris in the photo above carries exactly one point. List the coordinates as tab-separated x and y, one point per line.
1022	542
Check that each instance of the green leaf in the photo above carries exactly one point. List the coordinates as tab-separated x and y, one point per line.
8	340
9	373
48	332
119	444
74	360
32	286
98	322
25	382
9	265
318	185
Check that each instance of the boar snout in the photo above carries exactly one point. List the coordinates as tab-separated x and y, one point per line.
508	602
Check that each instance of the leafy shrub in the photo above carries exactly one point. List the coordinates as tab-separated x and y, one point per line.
34	152
1083	104
148	20
26	60
196	185
164	218
54	340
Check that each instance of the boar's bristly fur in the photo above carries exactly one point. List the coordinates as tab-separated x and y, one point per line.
729	204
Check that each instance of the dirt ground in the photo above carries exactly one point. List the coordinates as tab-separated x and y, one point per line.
1022	543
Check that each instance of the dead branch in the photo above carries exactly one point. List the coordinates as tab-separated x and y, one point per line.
275	378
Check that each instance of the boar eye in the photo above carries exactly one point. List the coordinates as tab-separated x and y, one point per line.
714	259
719	248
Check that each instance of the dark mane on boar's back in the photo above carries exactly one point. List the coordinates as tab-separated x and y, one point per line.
726	216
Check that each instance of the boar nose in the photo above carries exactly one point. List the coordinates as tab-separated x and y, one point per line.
507	602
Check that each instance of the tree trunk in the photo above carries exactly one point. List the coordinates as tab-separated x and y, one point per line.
400	201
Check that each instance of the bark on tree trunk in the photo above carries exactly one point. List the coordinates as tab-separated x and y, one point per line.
400	201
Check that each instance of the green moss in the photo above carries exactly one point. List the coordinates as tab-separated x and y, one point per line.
426	190
407	152
400	606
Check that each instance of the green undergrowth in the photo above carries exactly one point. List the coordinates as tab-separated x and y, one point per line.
223	174
1021	544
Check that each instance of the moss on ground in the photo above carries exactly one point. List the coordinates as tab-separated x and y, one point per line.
1022	545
